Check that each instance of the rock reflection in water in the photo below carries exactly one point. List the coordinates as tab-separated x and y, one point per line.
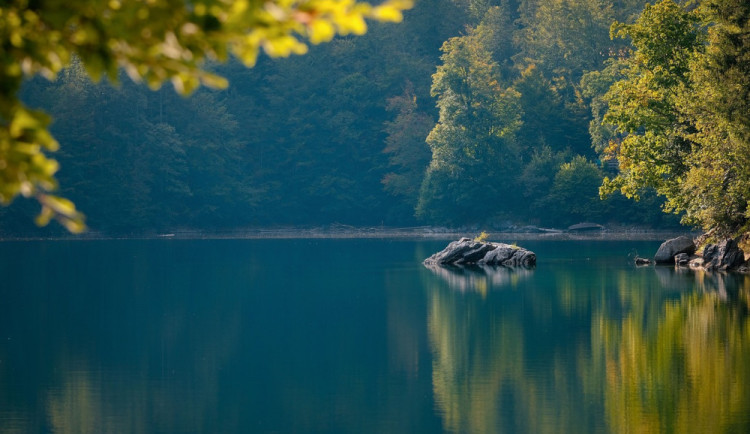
727	286
479	278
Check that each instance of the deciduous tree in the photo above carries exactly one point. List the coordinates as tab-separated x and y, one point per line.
682	111
474	151
643	106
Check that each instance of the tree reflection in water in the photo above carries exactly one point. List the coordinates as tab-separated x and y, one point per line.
644	351
688	372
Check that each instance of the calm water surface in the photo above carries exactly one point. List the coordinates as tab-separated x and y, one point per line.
240	336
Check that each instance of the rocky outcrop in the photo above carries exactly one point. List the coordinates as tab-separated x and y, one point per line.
682	259
723	256
468	251
671	248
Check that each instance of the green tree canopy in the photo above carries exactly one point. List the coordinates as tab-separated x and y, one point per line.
719	182
643	106
681	111
473	145
153	42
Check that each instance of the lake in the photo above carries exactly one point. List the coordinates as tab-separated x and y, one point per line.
357	336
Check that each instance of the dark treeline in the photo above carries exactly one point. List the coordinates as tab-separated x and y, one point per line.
384	129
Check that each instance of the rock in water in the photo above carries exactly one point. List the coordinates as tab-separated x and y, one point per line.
723	256
670	248
468	251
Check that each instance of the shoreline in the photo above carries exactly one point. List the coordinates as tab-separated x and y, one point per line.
349	232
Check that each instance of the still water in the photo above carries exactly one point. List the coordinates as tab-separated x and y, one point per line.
357	336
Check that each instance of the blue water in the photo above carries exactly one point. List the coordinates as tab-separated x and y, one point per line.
238	336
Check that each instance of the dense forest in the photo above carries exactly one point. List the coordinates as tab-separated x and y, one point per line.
470	112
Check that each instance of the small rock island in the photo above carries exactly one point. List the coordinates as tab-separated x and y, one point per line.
467	251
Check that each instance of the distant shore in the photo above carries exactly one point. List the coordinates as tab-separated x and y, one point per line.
421	232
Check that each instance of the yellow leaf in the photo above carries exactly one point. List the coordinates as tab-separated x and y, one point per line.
283	46
214	81
320	31
59	205
75	226
352	24
22	121
387	13
44	217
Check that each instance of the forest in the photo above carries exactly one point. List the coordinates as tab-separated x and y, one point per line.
469	112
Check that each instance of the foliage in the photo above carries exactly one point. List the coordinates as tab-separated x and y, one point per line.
538	175
566	37
405	144
473	143
594	87
547	120
482	237
574	192
642	106
718	185
348	134
155	42
681	111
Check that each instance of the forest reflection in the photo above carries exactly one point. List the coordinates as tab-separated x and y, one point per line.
628	351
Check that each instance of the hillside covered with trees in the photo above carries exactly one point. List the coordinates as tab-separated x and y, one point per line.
469	112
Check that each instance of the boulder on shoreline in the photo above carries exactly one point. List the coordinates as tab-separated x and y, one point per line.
468	251
671	248
723	256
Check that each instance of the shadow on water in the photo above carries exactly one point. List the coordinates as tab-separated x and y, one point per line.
614	349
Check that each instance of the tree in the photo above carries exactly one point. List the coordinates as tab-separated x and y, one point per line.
164	40
537	179
546	121
682	112
718	184
594	86
406	147
475	157
565	38
495	32
574	192
654	150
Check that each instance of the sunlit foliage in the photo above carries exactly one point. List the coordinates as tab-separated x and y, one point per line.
681	111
